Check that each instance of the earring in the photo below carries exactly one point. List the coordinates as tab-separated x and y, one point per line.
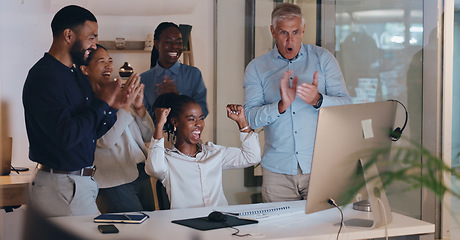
174	135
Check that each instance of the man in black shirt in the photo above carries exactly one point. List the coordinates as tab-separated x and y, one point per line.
64	117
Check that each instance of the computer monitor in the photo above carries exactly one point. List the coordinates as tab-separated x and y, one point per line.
343	134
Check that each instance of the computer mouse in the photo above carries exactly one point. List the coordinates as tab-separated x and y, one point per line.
217	217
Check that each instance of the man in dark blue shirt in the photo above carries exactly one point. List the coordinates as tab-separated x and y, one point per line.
64	117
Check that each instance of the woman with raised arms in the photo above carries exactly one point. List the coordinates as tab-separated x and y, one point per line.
190	170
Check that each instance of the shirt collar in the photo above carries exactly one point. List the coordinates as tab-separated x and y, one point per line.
59	63
276	54
174	69
198	146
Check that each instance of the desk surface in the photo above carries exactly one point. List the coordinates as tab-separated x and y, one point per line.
13	188
320	225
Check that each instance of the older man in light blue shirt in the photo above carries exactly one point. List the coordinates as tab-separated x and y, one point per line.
284	90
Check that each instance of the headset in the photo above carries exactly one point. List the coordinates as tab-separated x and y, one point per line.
396	134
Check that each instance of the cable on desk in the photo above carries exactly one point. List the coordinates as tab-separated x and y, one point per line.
237	231
14	169
332	202
384	217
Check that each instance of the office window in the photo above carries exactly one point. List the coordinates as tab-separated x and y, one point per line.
387	49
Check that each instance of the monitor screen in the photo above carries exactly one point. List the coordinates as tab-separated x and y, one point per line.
342	135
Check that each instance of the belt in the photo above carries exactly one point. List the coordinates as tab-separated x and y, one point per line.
88	171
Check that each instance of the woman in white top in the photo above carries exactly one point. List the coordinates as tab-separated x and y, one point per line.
192	171
120	153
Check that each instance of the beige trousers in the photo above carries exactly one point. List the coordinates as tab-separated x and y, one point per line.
278	187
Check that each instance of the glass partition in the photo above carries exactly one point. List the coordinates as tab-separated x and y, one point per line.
379	46
455	202
387	49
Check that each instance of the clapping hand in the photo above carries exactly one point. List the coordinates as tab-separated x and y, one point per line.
166	86
309	92
138	101
287	92
112	93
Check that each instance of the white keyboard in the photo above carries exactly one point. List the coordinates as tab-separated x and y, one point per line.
273	215
263	213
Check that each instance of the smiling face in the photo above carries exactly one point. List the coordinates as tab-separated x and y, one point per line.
288	35
189	124
169	47
85	42
100	66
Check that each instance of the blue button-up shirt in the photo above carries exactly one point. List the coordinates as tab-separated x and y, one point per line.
63	119
290	137
188	81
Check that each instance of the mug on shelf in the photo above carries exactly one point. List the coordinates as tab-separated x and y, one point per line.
120	43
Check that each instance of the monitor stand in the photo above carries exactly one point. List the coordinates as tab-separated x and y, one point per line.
364	206
377	200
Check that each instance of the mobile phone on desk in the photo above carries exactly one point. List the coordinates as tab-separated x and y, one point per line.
107	228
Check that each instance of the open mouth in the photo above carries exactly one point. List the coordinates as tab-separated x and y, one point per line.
106	75
173	54
88	51
196	135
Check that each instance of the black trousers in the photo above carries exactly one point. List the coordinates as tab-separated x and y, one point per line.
130	197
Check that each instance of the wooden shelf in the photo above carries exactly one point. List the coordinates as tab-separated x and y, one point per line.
131	47
128	51
138	47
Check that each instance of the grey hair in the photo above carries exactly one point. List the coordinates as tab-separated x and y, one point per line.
286	11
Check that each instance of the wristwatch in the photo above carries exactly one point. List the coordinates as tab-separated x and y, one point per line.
320	101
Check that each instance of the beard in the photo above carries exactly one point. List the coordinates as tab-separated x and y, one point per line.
78	53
